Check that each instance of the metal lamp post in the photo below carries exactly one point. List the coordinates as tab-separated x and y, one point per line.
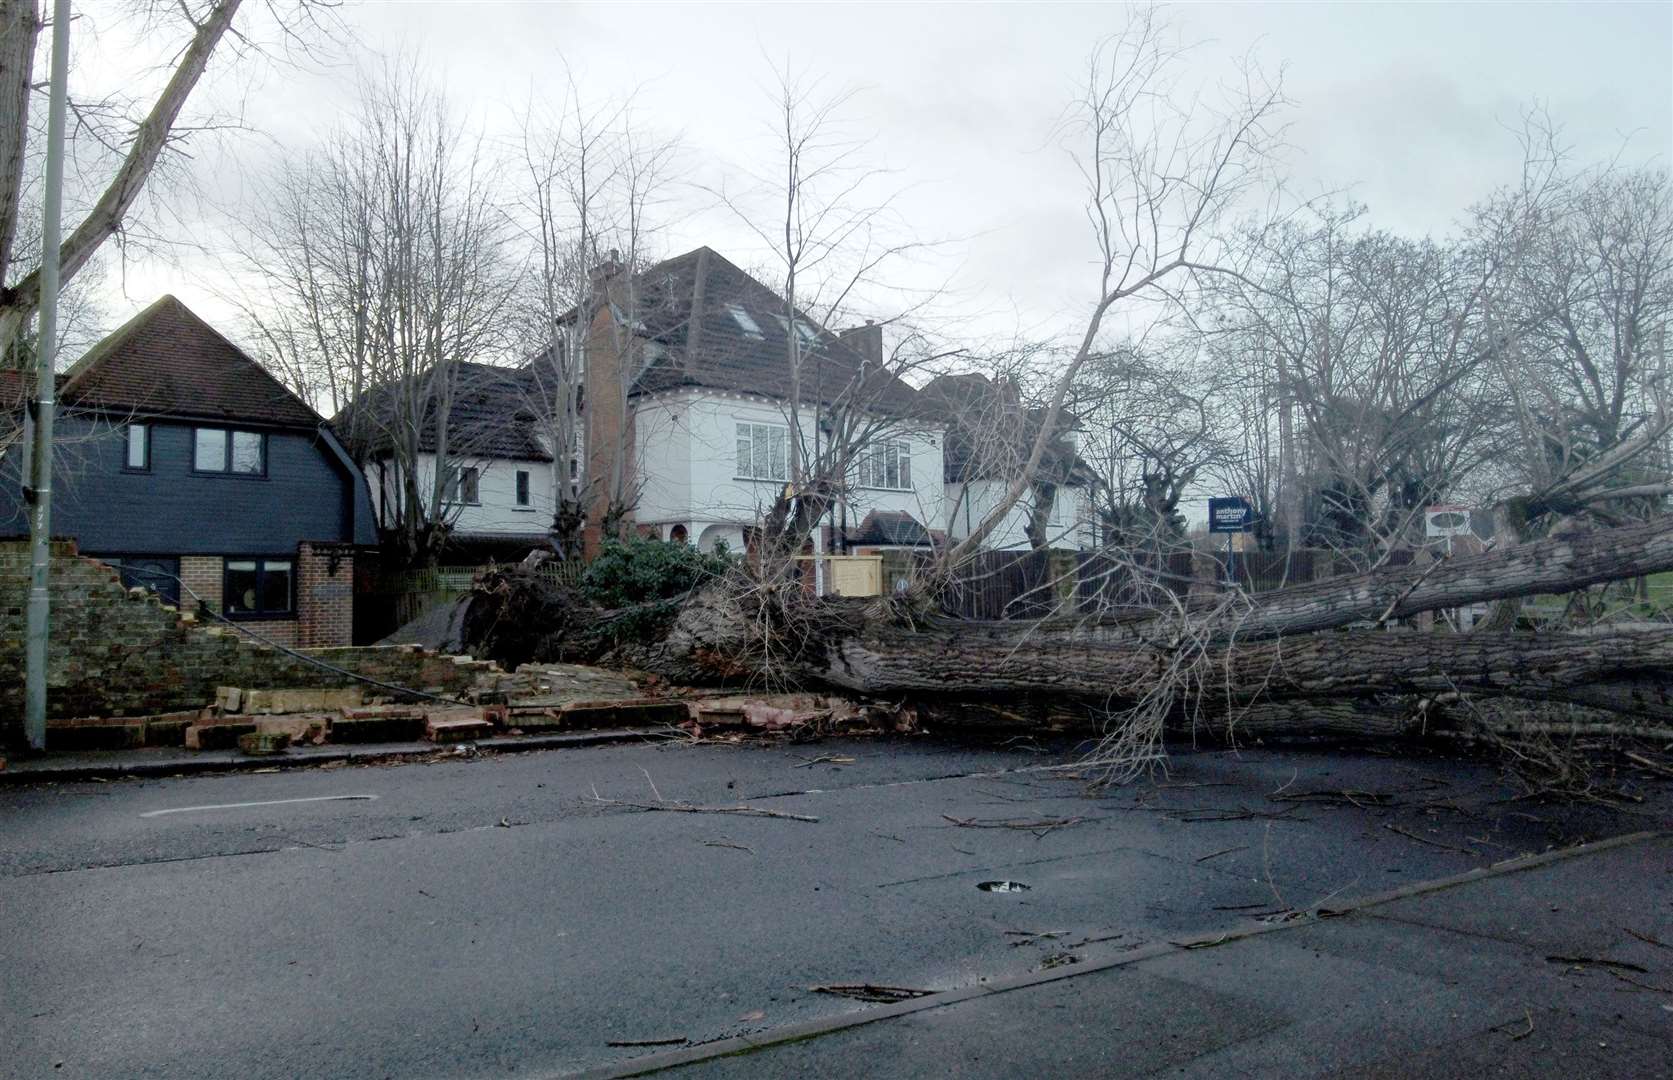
39	493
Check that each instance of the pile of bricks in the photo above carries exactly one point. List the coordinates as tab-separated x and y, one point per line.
269	720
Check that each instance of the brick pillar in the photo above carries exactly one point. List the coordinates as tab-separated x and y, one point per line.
324	595
202	575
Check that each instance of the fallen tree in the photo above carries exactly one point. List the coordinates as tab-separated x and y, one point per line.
1317	658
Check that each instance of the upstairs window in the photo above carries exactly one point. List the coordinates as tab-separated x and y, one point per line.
763	452
258	588
139	446
887	465
522	487
217	450
464	487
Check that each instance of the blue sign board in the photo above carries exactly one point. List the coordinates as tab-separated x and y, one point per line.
1230	515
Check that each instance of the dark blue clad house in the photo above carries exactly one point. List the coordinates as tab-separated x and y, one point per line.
183	463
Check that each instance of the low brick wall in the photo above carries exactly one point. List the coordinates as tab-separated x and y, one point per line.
119	653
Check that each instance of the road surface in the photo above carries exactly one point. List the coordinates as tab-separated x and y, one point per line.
517	916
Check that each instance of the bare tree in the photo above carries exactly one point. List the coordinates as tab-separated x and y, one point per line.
1381	346
1160	177
385	264
817	209
1585	296
1152	426
129	142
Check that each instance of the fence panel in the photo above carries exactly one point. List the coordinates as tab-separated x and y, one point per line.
1105	580
1004	585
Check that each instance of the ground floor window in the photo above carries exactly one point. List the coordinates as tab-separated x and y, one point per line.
259	588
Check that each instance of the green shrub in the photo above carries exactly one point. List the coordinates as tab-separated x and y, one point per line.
640	573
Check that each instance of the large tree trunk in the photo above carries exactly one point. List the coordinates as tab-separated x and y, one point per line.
1266	663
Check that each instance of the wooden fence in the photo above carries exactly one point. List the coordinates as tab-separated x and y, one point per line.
1036	584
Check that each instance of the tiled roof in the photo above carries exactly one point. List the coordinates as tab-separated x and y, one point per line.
492	416
168	362
690	307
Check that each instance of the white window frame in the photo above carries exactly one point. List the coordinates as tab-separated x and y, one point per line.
140	434
453	485
749	464
874	464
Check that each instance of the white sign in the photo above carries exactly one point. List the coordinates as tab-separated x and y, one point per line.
1447	520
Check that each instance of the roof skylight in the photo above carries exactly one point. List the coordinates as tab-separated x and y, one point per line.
745	323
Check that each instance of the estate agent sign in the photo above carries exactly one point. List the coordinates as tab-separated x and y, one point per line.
1232	514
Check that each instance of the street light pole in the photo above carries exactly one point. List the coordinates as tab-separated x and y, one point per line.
41	412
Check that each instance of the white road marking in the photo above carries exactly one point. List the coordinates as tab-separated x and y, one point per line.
264	802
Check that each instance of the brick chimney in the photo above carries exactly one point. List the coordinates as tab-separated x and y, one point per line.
866	340
605	419
606	271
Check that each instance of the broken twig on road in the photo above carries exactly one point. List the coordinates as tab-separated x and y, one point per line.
1038	826
741	809
1408	834
825	759
686	808
887	995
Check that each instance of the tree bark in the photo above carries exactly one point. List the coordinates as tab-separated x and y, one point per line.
19	29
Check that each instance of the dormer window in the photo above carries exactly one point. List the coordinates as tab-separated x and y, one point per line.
745	323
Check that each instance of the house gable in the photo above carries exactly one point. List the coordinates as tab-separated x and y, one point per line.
166	361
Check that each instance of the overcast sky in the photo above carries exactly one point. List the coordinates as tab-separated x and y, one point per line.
1405	107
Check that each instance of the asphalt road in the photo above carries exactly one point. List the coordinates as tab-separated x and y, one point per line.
514	916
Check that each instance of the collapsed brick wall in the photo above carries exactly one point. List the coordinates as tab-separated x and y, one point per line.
116	652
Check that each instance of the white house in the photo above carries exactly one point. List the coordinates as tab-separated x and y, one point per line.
709	408
687	378
989	435
500	487
1068	522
